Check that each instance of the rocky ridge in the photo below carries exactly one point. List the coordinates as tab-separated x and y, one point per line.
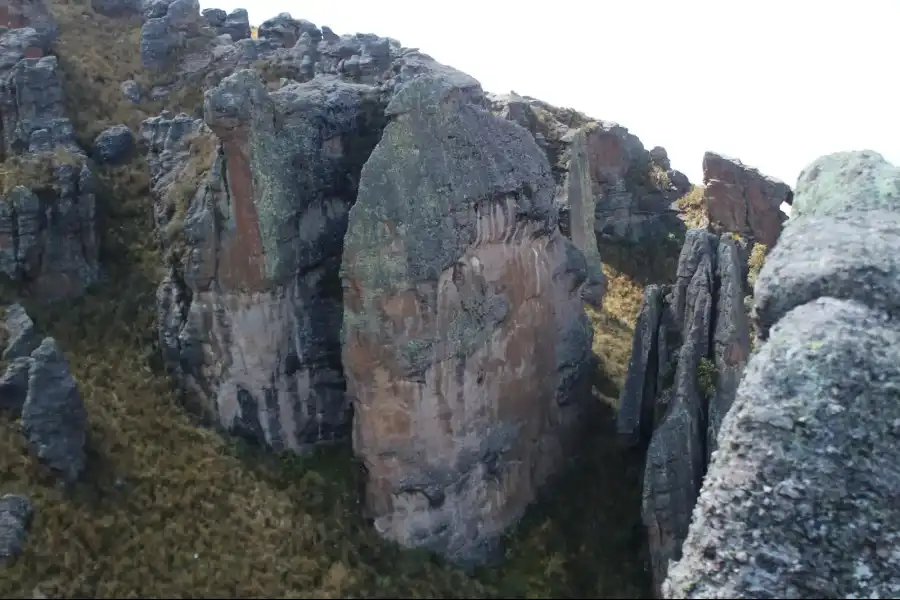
322	281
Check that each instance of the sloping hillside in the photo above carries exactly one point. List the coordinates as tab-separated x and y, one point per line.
172	509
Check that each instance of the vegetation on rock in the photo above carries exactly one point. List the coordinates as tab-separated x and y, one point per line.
693	208
169	508
36	171
755	262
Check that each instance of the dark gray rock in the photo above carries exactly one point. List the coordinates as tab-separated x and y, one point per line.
54	418
155	9
214	16
171	26
800	497
131	90
16	43
23	337
603	173
48	238
49	242
635	419
15	519
690	346
32	108
285	30
114	145
14	386
237	25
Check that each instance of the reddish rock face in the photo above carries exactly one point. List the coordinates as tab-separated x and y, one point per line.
251	312
742	200
465	338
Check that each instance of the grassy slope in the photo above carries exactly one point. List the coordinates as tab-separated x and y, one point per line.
170	509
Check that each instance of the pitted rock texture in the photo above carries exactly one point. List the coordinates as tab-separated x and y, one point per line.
742	200
48	217
251	312
847	182
691	343
465	338
800	498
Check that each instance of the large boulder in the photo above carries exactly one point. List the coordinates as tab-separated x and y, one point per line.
604	176
254	215
742	200
465	339
800	498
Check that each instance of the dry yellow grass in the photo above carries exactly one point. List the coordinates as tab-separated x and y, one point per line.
170	509
614	330
36	170
755	262
693	208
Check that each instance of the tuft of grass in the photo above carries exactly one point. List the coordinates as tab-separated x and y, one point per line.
693	208
659	178
35	171
755	262
614	329
706	377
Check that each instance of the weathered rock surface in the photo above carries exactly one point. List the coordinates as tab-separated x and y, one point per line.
113	145
118	8
235	24
53	415
800	499
846	182
465	340
15	519
48	220
251	315
39	388
603	173
691	343
170	27
742	200
18	14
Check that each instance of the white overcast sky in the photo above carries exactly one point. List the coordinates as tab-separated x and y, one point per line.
775	83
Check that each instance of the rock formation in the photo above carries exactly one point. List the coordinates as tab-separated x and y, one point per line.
741	200
626	192
465	341
799	502
252	309
691	342
38	387
15	518
48	220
